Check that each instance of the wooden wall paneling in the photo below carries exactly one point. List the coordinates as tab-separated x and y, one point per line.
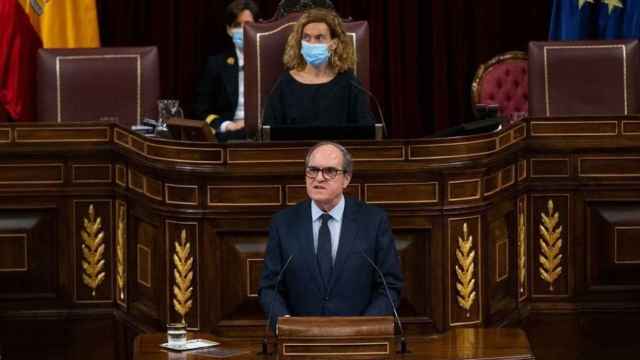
101	347
412	233
91	173
147	264
93	238
402	193
41	173
579	244
61	335
178	193
551	257
500	270
211	276
414	250
121	175
233	246
28	237
241	255
613	247
183	274
244	195
413	243
439	273
464	190
549	167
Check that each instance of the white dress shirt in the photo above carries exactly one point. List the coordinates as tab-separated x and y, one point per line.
239	115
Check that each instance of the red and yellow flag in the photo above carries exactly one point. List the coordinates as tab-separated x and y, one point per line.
26	26
64	23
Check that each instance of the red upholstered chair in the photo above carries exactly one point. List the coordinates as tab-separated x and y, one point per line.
503	81
264	48
118	84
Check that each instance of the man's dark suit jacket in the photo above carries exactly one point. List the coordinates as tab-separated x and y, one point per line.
354	289
217	92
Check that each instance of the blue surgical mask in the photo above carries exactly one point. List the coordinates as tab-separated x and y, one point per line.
237	35
315	54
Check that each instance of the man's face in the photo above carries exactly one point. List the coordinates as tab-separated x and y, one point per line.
324	191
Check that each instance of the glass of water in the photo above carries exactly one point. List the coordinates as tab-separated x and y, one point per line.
177	334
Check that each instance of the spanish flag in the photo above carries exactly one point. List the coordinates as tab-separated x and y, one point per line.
26	26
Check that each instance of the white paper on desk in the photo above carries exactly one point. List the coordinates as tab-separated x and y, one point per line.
190	345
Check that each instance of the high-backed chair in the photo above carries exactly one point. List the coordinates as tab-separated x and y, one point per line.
578	78
119	84
503	81
264	48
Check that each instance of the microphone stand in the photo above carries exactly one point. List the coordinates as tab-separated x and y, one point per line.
378	107
403	341
265	342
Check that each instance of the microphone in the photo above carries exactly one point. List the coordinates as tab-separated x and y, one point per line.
403	341
375	100
264	109
265	343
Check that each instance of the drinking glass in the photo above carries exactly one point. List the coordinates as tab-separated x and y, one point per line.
177	334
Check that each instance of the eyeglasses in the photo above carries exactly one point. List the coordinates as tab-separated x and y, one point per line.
328	172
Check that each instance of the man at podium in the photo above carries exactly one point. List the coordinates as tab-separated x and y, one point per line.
320	254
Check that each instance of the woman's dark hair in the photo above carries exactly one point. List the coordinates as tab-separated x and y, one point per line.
236	7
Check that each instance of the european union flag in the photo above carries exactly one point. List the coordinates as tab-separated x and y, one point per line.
631	27
594	19
572	19
611	19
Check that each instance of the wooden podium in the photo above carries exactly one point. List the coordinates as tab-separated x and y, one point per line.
331	337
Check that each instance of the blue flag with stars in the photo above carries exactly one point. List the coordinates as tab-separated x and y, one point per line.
594	19
631	26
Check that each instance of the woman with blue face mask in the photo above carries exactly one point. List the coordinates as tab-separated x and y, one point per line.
319	95
219	99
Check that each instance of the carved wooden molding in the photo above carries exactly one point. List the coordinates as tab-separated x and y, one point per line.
93	251
522	252
183	275
121	244
465	270
550	246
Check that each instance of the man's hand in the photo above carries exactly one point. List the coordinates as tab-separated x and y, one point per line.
235	125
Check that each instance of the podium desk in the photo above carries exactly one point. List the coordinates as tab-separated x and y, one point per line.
542	216
459	344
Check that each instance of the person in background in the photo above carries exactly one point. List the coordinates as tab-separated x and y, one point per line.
219	98
320	88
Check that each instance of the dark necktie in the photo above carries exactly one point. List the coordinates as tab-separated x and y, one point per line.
325	261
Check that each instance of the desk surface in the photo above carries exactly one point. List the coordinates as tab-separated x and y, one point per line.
504	344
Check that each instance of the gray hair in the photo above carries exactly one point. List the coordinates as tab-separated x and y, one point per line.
347	161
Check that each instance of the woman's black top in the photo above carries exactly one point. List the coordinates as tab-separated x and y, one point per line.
338	109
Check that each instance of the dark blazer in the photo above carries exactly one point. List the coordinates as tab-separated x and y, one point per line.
217	92
354	289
